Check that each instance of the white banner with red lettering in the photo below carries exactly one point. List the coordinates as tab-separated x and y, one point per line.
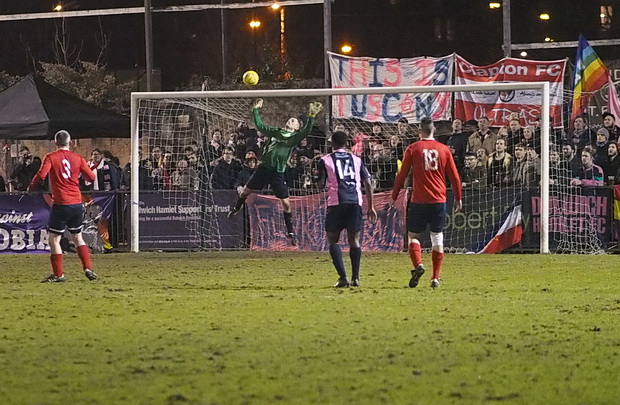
497	106
355	72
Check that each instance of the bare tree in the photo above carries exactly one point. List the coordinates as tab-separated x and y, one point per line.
65	53
103	41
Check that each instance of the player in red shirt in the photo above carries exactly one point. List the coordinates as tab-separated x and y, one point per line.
64	168
430	161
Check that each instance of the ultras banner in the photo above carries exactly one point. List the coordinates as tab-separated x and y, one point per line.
497	106
268	231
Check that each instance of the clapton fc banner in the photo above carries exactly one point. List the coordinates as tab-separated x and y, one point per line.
268	232
497	105
359	72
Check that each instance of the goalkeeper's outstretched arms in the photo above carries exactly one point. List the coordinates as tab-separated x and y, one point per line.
268	131
313	109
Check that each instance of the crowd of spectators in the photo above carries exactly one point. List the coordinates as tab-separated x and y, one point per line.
510	156
485	157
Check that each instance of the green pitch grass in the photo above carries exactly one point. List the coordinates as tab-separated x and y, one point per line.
258	328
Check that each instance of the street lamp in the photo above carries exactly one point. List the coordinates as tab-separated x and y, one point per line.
254	25
494	5
346	48
276	6
544	17
58	7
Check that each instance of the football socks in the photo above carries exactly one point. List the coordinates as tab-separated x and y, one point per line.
56	260
355	253
437	261
336	254
84	255
288	220
415	253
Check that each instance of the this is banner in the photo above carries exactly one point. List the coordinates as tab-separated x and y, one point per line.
497	105
268	231
362	72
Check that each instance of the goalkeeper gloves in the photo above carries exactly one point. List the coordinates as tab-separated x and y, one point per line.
314	109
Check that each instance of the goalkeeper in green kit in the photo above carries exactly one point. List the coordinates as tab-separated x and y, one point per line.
272	164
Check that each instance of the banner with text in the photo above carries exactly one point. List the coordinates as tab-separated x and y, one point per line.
581	217
361	72
599	103
23	223
24	217
497	106
268	231
172	223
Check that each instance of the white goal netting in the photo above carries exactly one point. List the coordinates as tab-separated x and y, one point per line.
199	148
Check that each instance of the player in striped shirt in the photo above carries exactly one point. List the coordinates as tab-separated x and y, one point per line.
64	168
344	174
430	162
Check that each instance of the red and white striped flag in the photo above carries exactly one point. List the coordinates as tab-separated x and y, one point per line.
508	235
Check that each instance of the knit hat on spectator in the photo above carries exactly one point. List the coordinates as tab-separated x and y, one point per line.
603	131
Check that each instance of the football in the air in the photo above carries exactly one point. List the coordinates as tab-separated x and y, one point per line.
250	78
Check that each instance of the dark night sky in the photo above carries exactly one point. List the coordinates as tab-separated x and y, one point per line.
188	44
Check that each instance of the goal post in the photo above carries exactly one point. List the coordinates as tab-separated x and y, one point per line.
205	97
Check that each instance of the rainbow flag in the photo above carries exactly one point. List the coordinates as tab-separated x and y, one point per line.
590	75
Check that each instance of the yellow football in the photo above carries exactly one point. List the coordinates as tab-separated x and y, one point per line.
250	78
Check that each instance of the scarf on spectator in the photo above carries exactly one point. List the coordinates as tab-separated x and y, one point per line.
358	144
94	167
166	177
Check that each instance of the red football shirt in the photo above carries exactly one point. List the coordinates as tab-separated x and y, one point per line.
431	161
64	168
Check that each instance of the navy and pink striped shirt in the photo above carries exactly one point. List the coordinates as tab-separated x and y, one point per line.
343	174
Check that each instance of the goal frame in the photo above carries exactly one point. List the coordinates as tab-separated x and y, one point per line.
543	87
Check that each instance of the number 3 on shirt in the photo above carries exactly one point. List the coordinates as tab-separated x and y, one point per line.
431	159
66	169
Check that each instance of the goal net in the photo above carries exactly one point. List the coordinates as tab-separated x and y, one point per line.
198	148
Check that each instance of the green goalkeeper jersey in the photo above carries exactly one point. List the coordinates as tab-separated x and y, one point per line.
280	143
